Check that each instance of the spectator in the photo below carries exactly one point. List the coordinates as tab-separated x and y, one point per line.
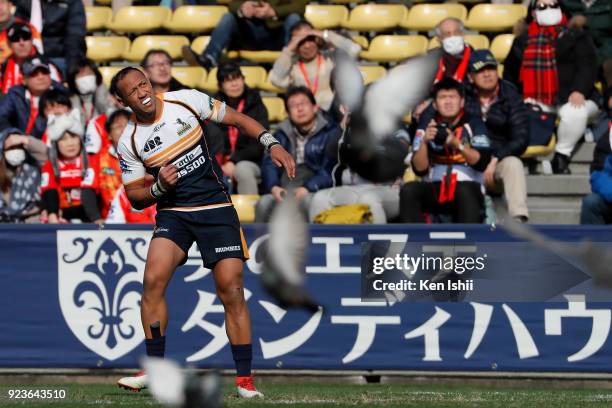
96	136
502	109
555	66
306	62
70	178
312	139
252	25
122	212
6	21
21	43
240	155
597	206
89	92
596	17
110	172
19	109
21	158
450	152
63	28
157	64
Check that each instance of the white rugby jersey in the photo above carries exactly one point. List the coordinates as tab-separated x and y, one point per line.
176	135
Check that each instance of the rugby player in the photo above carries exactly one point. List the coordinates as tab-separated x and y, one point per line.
165	160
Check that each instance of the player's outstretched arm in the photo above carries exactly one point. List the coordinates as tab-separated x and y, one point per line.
280	157
145	192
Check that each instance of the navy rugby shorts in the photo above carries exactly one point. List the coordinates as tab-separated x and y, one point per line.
216	231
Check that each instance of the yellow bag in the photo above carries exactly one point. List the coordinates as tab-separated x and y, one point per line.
345	214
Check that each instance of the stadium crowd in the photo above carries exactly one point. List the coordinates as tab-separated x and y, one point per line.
59	125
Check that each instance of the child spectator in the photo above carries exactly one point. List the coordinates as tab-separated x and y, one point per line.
307	61
21	43
110	172
70	178
240	155
21	158
89	93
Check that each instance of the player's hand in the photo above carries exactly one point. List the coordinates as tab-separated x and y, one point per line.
278	193
489	173
430	132
300	193
168	175
148	180
281	158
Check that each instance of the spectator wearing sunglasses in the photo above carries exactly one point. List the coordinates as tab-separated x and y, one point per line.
20	38
556	67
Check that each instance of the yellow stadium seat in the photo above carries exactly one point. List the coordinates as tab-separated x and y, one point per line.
500	47
139	19
189	76
347	1
261	57
97	18
537	151
495	17
208	83
375	17
171	43
500	70
268	86
389	48
371	73
108	73
326	16
361	40
195	19
245	206
104	2
104	49
425	17
275	107
477	41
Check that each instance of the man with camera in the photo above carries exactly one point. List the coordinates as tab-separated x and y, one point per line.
450	152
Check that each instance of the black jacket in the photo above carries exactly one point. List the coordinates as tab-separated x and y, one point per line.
576	58
176	85
247	148
506	120
64	29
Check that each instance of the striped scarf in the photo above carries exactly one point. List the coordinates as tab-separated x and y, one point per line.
539	68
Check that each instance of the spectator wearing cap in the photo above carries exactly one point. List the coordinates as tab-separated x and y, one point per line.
240	155
157	64
555	67
502	109
251	25
21	43
89	94
63	25
307	61
19	109
6	21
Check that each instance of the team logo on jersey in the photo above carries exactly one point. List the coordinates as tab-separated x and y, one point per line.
183	127
99	287
157	128
123	164
152	144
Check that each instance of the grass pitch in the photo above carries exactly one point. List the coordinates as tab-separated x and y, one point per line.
329	394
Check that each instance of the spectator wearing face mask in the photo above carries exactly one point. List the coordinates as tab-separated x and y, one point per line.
89	93
21	158
70	178
555	67
20	41
19	109
307	61
157	65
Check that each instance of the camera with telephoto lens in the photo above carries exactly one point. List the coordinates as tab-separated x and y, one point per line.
441	134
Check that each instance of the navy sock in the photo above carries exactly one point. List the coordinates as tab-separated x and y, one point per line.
243	355
156	347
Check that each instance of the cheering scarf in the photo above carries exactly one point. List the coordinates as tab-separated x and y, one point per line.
539	69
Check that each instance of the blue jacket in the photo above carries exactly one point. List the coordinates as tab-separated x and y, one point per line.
320	154
601	180
15	111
